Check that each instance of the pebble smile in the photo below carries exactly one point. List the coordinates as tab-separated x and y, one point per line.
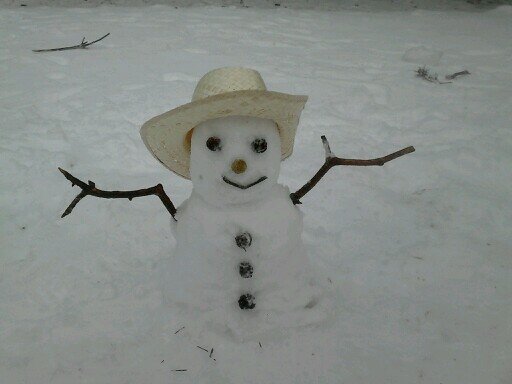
226	180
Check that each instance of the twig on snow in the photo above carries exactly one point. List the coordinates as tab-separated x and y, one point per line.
91	190
456	74
84	44
210	352
332	161
424	73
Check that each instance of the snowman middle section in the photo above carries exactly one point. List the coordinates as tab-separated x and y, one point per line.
242	261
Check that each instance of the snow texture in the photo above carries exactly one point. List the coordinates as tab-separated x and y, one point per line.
418	251
325	5
422	55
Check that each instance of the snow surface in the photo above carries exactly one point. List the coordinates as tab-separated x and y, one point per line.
418	250
422	55
326	5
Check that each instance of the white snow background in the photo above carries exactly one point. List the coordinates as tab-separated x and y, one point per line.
420	250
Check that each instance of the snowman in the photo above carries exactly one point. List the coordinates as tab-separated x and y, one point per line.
239	264
239	258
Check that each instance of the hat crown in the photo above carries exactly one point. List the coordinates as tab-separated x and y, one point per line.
229	79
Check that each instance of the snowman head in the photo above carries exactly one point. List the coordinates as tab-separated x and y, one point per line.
235	159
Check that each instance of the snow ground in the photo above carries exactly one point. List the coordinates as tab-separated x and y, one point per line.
326	5
420	249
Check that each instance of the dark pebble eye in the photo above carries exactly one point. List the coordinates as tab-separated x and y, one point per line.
259	145
213	143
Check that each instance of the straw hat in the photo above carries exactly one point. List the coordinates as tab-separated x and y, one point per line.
221	92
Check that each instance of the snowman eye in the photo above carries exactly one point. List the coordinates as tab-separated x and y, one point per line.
213	144
259	145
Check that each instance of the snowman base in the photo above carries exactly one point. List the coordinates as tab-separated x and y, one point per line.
239	325
267	288
314	307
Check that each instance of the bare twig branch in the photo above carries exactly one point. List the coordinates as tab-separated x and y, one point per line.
332	161
84	44
456	74
210	352
424	73
91	190
327	148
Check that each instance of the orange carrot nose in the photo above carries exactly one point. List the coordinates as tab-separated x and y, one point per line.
238	166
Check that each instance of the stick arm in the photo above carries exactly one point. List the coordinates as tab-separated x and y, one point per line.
332	161
91	190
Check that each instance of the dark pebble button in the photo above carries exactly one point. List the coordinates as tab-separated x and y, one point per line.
246	301
243	240
245	269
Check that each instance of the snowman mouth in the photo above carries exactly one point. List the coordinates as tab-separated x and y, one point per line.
227	181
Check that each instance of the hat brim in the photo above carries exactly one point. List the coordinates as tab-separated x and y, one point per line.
165	135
